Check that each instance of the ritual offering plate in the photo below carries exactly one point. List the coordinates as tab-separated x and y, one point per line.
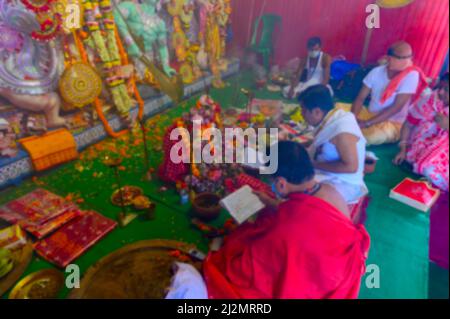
142	270
129	194
21	258
44	284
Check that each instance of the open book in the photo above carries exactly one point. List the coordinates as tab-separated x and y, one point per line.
242	204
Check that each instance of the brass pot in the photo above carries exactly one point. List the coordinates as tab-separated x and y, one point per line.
206	206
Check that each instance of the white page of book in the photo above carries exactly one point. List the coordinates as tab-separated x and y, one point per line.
242	204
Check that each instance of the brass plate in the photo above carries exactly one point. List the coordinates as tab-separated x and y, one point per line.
22	258
44	284
138	271
129	194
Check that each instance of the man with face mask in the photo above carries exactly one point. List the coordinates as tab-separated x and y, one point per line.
392	88
302	246
313	70
305	247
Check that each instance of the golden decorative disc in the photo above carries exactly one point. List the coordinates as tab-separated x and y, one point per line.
392	4
44	284
80	84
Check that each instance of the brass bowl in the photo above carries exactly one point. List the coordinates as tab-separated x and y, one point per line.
129	194
206	206
44	284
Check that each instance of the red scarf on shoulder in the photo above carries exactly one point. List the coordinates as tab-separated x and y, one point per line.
395	82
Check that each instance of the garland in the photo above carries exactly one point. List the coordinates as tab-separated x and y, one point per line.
113	57
108	51
49	20
38	6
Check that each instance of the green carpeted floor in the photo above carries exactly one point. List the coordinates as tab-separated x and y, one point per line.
399	234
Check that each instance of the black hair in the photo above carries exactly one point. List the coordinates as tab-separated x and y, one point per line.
294	163
317	96
312	42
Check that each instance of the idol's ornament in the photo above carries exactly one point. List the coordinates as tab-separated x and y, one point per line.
102	38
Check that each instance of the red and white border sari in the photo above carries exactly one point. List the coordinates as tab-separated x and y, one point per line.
429	151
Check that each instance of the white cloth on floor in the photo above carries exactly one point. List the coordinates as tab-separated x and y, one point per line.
187	283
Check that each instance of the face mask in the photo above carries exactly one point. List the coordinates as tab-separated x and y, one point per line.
275	191
314	54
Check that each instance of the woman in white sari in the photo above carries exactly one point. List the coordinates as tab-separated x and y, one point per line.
339	147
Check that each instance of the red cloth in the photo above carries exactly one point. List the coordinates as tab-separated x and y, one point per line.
74	238
358	211
396	81
306	250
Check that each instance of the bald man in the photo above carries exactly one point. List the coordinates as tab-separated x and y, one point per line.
382	122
